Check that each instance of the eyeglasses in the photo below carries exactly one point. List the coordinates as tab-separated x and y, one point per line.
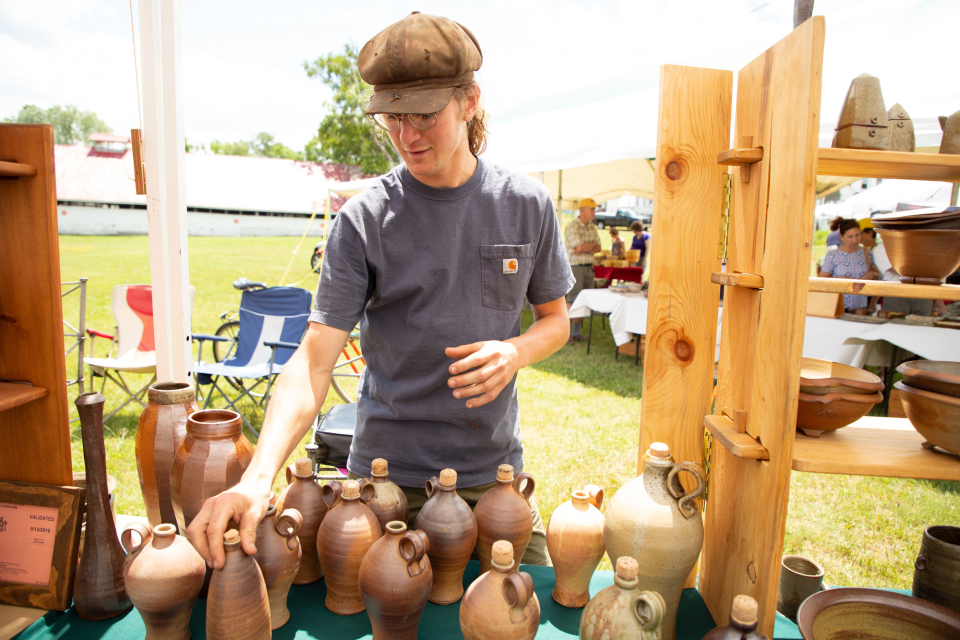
391	121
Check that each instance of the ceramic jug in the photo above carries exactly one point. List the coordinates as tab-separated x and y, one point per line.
450	525
389	502
500	603
654	521
160	432
743	622
306	496
278	555
936	575
395	579
575	543
238	607
163	574
503	513
623	610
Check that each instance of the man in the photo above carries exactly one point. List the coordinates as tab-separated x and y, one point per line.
582	242
439	253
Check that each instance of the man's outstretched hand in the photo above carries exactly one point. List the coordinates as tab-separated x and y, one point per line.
245	503
482	370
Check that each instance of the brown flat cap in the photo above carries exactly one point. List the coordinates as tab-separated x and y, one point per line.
415	63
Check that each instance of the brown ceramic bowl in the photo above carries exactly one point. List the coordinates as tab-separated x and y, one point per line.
816	414
935	416
923	253
820	377
938	223
931	375
846	613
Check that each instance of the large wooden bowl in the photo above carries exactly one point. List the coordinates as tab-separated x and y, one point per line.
923	253
935	416
845	613
820	377
816	414
932	375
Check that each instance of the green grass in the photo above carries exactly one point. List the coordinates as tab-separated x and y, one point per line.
580	416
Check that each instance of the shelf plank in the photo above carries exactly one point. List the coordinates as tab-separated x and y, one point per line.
747	280
737	157
874	446
881	288
739	444
865	163
16	170
14	395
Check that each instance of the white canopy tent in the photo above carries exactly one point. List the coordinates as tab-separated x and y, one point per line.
890	194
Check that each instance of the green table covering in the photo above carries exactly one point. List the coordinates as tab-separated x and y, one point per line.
309	618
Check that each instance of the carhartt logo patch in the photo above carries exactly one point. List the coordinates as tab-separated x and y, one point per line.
509	265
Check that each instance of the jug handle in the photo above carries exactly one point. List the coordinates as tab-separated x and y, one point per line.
413	547
290	474
517	591
367	491
595	493
331	493
431	486
648	610
527	488
289	523
126	538
922	562
686	500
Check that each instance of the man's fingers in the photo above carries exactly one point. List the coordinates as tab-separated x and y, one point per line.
216	528
463	351
490	396
248	531
197	532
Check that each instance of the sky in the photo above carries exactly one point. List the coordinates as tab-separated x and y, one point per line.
244	74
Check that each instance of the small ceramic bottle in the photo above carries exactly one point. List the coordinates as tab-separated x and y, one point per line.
395	579
503	513
278	555
306	496
163	574
389	502
238	607
500	603
623	610
450	525
743	622
575	543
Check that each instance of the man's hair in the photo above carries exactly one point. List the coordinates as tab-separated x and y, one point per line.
477	131
636	226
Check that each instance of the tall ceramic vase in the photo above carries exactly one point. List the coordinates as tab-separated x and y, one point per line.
237	604
98	589
160	432
306	496
575	543
936	575
655	522
278	554
623	610
503	513
389	502
500	603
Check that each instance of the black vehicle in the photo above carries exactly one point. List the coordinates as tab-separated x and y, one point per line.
622	218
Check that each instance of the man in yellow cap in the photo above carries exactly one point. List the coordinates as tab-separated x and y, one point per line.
582	242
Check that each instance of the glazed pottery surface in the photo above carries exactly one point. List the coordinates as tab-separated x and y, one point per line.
503	513
623	610
98	589
743	622
212	458
820	377
936	417
936	574
923	253
346	534
160	432
238	607
163	574
800	578
450	525
278	555
500	603
846	613
933	376
306	496
575	543
389	503
654	521
816	414
395	580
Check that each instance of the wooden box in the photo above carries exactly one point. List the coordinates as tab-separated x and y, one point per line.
824	305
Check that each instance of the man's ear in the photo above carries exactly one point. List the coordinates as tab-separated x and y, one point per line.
471	103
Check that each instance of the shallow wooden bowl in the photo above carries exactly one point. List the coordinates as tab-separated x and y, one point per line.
923	253
820	377
816	414
932	375
935	416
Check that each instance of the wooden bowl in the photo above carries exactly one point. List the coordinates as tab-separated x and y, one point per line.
935	416
923	253
816	414
840	614
820	377
931	375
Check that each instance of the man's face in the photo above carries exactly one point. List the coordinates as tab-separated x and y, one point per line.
587	214
427	152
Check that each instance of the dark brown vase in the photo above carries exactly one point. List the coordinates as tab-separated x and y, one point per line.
936	574
501	603
450	525
211	459
98	590
743	622
389	502
395	579
163	574
346	534
503	513
160	432
278	554
306	496
237	604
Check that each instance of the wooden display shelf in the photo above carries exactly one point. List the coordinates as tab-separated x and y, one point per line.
842	285
902	165
13	395
739	444
16	170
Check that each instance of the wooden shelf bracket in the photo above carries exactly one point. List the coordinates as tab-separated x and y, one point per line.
739	444
16	170
733	279
743	157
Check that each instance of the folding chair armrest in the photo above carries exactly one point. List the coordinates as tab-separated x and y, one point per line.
98	334
202	336
281	345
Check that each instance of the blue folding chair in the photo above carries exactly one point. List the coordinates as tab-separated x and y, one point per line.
272	323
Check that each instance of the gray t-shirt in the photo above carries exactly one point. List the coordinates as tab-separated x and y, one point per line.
422	269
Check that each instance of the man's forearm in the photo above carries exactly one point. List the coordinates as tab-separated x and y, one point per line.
548	334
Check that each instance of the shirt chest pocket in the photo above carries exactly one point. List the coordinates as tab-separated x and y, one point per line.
504	273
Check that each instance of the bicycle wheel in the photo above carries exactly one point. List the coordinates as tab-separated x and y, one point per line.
346	373
226	330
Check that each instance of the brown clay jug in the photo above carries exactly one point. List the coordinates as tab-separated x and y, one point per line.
500	603
278	554
212	458
395	579
450	525
654	521
503	513
238	607
346	534
623	610
575	543
743	622
389	502
163	574
160	432
306	496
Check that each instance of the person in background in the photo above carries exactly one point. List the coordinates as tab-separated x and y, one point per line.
850	260
870	239
616	247
641	241
582	242
833	238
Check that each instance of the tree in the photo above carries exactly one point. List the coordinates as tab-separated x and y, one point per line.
346	135
70	125
263	145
